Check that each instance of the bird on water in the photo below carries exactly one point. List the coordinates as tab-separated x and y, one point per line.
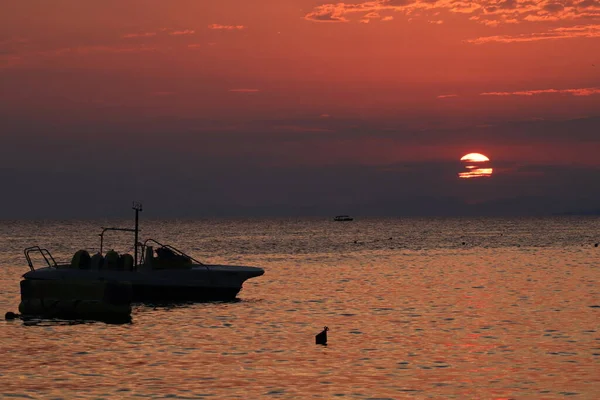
321	338
10	316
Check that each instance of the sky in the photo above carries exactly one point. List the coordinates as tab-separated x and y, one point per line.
296	108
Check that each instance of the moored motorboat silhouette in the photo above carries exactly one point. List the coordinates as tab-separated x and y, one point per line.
161	273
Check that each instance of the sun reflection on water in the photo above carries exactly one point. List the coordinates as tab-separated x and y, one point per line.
475	172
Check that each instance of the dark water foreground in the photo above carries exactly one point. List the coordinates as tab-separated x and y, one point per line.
412	312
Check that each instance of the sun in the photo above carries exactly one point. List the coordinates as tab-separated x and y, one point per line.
476	166
474	157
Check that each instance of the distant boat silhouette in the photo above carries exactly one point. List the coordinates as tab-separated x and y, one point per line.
343	218
321	338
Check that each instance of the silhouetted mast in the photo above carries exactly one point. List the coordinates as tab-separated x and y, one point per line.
137	206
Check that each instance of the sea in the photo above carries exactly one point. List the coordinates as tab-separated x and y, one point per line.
417	308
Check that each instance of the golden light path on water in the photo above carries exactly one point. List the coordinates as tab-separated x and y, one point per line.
475	172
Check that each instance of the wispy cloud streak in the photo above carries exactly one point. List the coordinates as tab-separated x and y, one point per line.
226	27
573	92
94	49
487	12
183	32
446	96
579	31
163	31
138	35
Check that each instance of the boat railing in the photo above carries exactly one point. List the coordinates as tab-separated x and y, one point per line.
45	254
168	246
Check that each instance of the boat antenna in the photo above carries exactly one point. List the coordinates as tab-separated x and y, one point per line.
137	206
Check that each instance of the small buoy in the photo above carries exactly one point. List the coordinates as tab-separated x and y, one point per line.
321	338
9	316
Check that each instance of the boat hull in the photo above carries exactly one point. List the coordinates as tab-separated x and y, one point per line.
197	284
76	299
144	293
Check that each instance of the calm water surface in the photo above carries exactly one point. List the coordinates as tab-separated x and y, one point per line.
513	313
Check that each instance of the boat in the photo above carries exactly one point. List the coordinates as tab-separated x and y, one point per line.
343	218
162	273
70	299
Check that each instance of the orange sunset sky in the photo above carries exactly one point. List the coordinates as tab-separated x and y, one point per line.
299	107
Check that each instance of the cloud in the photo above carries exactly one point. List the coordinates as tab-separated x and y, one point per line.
330	13
183	32
163	31
244	90
446	96
573	92
138	35
373	14
80	50
339	12
487	12
226	27
578	31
